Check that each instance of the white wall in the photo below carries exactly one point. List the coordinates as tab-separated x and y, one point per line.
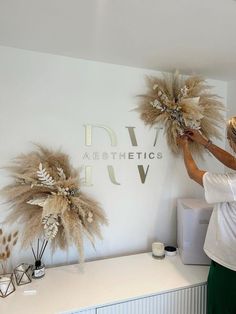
231	105
231	98
48	99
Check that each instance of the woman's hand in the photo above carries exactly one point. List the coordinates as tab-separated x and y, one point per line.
182	140
196	136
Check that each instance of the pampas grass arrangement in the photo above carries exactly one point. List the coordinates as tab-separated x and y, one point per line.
46	200
178	103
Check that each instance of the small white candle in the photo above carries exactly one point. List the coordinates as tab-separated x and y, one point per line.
158	249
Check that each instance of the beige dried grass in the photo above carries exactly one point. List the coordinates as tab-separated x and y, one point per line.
7	242
178	103
45	198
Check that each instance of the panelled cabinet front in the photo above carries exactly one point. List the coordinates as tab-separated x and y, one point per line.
184	301
92	311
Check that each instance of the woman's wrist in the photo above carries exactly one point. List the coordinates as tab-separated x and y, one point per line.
207	144
185	145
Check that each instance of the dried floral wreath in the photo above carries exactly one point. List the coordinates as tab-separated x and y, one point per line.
46	199
179	103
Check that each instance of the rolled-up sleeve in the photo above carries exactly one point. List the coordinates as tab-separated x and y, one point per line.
219	187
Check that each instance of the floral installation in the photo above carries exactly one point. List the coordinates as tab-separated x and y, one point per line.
179	103
7	242
47	201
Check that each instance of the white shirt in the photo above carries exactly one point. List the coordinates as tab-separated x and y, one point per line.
220	242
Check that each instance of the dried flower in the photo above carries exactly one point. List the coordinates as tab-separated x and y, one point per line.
51	223
46	198
179	103
6	244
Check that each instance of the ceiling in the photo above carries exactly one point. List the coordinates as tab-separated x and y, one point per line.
190	35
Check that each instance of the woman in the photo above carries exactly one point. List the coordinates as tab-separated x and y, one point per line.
220	242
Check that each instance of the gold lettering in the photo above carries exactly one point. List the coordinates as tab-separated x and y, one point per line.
139	154
157	133
112	175
142	173
86	156
88	176
95	155
122	155
132	135
88	134
131	155
113	154
105	155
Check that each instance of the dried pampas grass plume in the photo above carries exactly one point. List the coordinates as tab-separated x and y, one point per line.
46	200
178	103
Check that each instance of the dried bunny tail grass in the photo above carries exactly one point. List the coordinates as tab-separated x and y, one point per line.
7	243
177	103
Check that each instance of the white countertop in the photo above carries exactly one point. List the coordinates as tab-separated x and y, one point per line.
102	282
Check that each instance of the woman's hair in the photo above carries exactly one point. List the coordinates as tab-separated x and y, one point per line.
231	130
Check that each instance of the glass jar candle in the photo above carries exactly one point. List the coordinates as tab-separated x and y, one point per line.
158	250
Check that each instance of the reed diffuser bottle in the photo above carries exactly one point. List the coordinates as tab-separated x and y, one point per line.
38	270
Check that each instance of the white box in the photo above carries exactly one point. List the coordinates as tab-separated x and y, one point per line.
193	217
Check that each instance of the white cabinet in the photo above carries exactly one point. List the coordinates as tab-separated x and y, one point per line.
184	301
135	284
92	311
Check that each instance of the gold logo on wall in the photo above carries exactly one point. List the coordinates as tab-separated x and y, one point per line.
117	155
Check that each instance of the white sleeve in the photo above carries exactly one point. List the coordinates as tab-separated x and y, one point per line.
219	188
